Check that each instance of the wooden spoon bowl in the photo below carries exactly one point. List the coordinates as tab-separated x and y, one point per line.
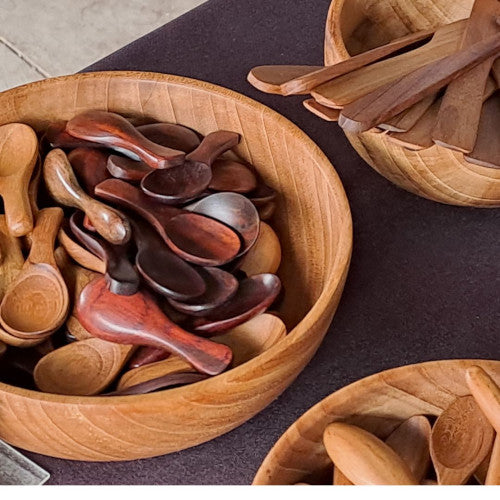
377	404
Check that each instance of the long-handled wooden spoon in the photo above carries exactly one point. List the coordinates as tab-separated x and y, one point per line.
82	368
363	458
115	131
18	157
185	182
37	302
461	439
137	320
89	165
196	238
270	78
411	442
64	188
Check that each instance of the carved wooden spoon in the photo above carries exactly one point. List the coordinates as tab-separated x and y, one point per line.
82	368
363	458
194	237
486	393
137	320
64	188
89	165
11	257
187	181
114	131
37	302
18	157
461	439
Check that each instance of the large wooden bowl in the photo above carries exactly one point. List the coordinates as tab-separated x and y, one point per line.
314	224
378	403
437	173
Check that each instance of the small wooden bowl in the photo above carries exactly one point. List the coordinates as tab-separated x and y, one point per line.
313	222
437	173
378	403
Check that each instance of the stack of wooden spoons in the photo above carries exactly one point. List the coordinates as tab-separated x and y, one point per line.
431	87
166	247
463	444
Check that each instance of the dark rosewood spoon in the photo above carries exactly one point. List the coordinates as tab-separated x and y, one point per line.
115	131
232	175
89	165
163	270
121	276
171	135
196	238
234	210
137	320
127	169
187	181
58	137
254	296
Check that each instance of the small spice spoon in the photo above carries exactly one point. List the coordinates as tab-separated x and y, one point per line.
194	237
37	302
137	320
461	439
114	131
82	368
18	157
188	180
363	458
64	188
89	165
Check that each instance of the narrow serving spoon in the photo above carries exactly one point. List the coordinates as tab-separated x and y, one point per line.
137	320
461	439
64	188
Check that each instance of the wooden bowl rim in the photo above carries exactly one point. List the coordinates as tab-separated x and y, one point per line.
329	402
339	266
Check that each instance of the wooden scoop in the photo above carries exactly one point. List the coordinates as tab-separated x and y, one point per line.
64	188
363	458
187	181
37	302
171	135
18	157
411	442
461	439
115	131
486	393
11	257
137	320
196	238
458	118
82	368
295	80
348	88
265	255
246	341
89	165
254	296
120	274
390	99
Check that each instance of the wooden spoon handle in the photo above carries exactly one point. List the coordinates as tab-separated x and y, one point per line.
486	393
44	236
213	145
18	208
64	188
390	99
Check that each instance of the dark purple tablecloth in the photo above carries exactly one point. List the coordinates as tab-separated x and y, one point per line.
424	281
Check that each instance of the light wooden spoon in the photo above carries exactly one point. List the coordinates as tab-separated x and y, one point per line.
11	257
82	368
64	188
18	157
37	302
486	393
265	255
461	439
411	442
246	341
363	458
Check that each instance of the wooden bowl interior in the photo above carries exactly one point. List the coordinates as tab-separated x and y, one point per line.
378	403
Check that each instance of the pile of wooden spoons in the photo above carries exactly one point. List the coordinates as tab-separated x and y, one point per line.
462	445
167	246
430	87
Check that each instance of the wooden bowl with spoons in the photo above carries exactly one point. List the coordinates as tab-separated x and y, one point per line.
313	223
378	404
436	173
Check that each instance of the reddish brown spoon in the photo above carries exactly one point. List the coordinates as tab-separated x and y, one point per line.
171	135
89	165
137	320
232	175
187	181
196	238
121	276
254	296
115	131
